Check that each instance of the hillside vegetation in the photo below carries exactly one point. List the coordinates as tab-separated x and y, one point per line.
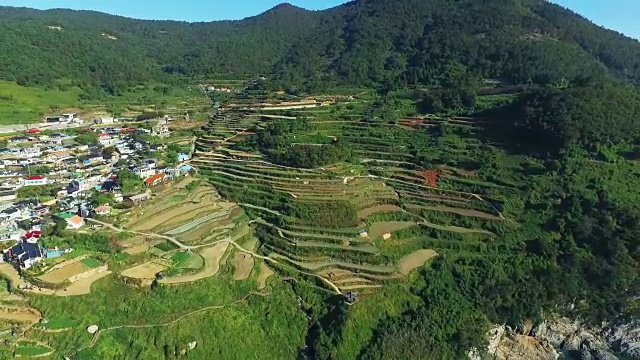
364	42
468	163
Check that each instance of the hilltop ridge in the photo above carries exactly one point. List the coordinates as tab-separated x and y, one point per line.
366	42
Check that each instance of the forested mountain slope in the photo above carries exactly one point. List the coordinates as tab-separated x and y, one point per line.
100	49
430	42
434	42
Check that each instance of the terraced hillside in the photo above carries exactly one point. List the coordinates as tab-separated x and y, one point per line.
354	222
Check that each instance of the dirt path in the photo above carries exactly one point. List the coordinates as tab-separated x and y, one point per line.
95	338
228	240
456	229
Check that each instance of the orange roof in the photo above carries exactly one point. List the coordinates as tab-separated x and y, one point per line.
75	219
61	153
153	179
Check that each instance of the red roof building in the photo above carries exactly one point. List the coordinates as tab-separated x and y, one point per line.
155	180
34	177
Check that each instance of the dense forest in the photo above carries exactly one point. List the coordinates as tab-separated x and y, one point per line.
364	42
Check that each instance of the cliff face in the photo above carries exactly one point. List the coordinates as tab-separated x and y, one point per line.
561	335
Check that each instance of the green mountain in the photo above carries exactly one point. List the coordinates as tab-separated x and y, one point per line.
363	42
95	48
431	42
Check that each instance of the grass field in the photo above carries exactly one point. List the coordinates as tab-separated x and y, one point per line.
19	104
91	262
25	348
241	328
57	323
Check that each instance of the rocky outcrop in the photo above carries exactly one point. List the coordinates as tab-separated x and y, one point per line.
624	336
556	335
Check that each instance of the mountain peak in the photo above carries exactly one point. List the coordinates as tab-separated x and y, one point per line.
285	7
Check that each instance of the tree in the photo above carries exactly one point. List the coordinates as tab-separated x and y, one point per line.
98	198
129	181
87	138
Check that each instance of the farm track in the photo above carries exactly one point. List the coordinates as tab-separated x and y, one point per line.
341	264
456	229
369	249
229	240
464	212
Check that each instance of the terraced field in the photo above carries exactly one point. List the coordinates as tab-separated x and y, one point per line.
330	221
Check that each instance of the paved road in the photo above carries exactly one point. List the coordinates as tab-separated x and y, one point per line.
4	129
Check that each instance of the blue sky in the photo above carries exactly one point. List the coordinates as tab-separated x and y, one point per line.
620	15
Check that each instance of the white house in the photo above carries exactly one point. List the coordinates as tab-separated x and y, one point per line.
84	184
70	117
34	180
160	130
30	152
75	222
107	120
144	173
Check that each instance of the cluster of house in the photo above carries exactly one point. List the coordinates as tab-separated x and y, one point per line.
75	170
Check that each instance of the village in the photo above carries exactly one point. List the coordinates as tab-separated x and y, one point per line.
57	177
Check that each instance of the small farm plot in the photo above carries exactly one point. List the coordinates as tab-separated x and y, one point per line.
65	272
378	229
415	260
187	260
147	270
213	259
19	314
31	349
82	286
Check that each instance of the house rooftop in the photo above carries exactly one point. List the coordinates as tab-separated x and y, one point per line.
75	219
152	179
66	215
35	177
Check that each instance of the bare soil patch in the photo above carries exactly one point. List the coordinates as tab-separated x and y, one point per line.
378	229
378	209
147	270
242	265
11	273
82	286
265	274
351	280
186	181
139	249
20	314
65	272
415	260
212	260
